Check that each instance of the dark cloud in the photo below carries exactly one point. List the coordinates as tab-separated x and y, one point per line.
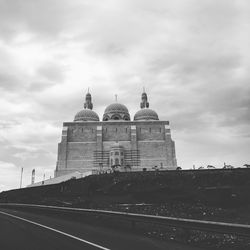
39	86
42	18
8	81
52	71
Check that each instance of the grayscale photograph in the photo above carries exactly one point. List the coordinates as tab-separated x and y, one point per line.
125	124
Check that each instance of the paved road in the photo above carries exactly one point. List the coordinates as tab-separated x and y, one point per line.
32	231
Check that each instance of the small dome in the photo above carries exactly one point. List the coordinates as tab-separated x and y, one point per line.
146	114
116	111
86	115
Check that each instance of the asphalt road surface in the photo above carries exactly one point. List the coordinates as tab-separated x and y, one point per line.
21	230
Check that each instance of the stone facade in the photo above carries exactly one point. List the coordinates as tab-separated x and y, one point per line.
88	145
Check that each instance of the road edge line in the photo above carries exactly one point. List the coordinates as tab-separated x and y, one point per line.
57	231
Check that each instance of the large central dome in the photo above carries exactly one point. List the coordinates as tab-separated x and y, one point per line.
116	111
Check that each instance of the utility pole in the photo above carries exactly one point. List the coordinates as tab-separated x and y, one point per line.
33	177
43	179
21	179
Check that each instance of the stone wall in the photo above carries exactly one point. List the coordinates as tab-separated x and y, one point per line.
80	150
86	145
150	132
82	133
116	132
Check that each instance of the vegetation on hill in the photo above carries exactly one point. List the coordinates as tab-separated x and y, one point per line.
216	189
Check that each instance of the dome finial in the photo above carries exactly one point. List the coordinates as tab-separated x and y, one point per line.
144	99
88	103
116	97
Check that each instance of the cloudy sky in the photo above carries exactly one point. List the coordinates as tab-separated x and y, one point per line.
192	56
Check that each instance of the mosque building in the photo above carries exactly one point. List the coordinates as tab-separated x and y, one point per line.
116	142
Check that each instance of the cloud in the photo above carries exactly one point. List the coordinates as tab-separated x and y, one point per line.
44	18
52	71
10	175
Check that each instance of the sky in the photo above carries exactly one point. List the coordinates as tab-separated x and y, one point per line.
192	57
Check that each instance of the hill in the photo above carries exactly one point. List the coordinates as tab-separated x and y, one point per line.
210	194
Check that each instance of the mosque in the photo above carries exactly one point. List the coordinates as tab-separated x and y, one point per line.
116	143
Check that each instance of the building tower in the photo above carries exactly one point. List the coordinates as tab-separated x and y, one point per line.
145	113
144	100
88	102
87	114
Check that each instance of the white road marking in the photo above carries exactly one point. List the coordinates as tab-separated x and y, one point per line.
55	230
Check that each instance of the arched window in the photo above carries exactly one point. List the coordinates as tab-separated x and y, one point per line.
116	161
116	153
115	117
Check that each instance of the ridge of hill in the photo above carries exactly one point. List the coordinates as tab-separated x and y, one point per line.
228	188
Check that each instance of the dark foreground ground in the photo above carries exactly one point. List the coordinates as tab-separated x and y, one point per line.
15	233
217	195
